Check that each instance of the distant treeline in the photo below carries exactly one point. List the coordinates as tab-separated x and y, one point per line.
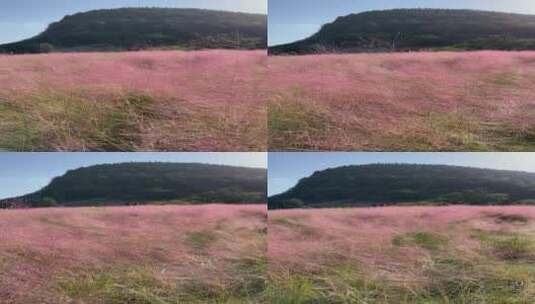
402	30
144	28
142	183
398	184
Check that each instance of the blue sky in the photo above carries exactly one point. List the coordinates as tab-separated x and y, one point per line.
286	169
21	19
291	20
22	173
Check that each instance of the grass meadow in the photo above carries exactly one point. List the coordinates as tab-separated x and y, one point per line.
151	101
136	255
424	101
402	255
224	254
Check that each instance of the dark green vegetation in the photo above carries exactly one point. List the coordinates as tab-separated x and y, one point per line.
145	28
419	29
141	183
393	184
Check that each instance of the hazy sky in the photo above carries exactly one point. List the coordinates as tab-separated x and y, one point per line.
291	20
286	169
21	19
22	173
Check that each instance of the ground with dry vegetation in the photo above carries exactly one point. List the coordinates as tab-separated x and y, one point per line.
138	255
416	255
157	100
436	101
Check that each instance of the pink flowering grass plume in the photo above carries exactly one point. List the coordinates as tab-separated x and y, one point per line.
404	254
151	100
429	101
194	254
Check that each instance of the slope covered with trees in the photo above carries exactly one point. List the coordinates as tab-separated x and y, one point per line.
140	183
419	29
393	184
143	28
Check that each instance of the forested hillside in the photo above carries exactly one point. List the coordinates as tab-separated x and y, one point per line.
400	30
140	183
145	28
394	184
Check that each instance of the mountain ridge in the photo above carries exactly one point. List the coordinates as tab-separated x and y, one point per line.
145	28
399	184
133	183
400	30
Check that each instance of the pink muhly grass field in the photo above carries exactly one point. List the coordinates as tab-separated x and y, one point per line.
206	77
405	101
354	228
177	245
404	254
199	100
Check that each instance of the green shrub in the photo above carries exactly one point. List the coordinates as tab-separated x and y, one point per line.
426	240
200	239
